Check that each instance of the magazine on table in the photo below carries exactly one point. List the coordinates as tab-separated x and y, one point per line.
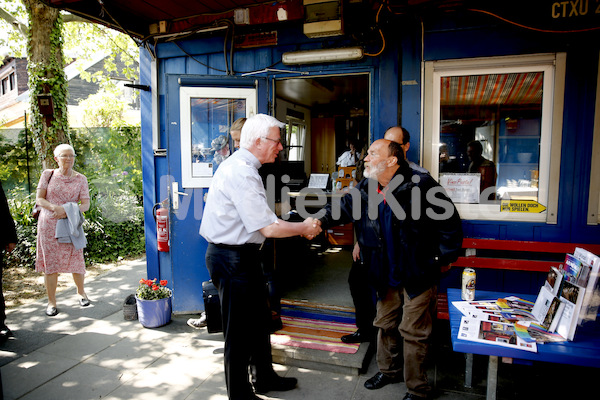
548	309
494	333
511	308
553	280
531	331
572	296
591	299
569	297
526	316
575	270
477	307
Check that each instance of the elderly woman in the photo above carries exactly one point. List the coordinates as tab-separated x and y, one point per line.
55	190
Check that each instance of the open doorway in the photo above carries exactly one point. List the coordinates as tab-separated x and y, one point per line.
324	115
335	109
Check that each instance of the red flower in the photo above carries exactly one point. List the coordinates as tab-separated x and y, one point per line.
155	287
163	282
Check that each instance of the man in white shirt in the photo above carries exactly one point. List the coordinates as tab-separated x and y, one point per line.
235	130
348	158
236	221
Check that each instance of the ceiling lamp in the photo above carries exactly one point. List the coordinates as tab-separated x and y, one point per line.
322	55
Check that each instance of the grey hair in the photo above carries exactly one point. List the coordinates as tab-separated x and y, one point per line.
256	127
62	147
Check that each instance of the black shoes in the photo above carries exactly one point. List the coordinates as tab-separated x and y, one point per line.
357	337
276	323
84	301
5	333
380	380
277	384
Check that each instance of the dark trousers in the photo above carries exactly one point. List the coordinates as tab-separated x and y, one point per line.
363	296
237	274
2	305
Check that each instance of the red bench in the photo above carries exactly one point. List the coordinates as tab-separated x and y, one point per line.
472	260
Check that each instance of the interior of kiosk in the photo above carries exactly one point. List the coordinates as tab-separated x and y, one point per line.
323	115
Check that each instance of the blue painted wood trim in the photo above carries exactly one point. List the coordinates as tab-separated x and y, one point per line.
148	166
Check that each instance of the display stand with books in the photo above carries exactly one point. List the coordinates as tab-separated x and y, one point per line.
569	298
583	351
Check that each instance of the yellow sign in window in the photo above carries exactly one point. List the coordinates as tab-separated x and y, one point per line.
522	206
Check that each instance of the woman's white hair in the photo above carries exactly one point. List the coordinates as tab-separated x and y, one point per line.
256	127
62	147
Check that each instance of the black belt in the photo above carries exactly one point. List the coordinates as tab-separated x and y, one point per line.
239	247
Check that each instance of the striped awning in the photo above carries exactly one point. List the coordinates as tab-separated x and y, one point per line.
493	89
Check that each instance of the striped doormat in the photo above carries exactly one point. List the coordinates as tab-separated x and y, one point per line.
315	326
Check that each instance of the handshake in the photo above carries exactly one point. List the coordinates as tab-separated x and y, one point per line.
312	228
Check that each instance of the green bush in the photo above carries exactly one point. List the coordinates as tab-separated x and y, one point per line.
108	241
111	241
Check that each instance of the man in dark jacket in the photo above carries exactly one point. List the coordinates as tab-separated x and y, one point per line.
8	240
407	230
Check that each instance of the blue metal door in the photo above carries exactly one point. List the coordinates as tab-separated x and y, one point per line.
200	110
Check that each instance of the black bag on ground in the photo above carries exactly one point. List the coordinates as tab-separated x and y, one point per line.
212	307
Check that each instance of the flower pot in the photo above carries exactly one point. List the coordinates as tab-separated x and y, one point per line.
154	313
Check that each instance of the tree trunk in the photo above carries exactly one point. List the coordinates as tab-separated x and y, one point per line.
47	82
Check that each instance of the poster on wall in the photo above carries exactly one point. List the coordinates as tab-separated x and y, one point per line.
462	188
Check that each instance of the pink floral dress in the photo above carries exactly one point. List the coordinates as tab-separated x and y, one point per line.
53	257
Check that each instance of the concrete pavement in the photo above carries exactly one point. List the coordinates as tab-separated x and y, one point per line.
93	353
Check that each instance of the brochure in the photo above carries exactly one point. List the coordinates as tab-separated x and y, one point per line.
495	333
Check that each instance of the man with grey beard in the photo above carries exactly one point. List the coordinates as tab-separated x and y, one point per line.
407	229
362	295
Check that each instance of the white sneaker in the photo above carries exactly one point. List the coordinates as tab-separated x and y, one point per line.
197	322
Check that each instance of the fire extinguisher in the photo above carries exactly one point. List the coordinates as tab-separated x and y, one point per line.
161	216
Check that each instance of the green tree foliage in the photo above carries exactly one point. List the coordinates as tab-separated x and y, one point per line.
110	157
84	40
81	40
47	81
18	165
13	29
104	109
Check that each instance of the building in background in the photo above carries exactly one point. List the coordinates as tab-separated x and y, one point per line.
14	94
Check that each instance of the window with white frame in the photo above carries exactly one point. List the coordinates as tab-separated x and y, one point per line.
206	116
295	139
491	128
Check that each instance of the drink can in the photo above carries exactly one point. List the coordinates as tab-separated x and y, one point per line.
468	284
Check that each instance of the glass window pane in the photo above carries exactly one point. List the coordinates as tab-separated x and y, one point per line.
490	131
295	141
210	122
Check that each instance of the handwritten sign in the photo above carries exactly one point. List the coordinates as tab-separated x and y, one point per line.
461	188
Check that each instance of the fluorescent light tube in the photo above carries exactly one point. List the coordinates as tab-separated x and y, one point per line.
322	55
